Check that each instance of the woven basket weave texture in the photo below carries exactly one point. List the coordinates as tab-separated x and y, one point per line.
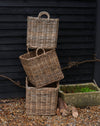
42	101
42	32
42	69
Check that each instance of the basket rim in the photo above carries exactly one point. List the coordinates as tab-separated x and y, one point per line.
43	88
36	18
21	56
35	47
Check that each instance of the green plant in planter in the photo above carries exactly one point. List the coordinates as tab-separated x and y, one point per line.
77	89
86	89
80	95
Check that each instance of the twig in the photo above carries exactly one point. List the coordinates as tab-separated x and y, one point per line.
16	83
71	64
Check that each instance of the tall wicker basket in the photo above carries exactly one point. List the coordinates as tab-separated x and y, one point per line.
42	69
42	101
42	32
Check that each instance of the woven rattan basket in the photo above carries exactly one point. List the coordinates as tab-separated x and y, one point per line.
42	69
42	32
42	101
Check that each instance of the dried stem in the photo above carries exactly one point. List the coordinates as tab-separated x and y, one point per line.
16	83
70	65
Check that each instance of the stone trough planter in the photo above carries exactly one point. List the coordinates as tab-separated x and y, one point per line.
80	99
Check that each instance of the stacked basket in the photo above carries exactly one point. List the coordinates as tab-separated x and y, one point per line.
41	65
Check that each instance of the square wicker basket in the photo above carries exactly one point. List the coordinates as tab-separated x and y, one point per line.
42	32
42	69
42	101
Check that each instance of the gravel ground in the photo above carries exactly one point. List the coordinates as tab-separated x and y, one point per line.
12	113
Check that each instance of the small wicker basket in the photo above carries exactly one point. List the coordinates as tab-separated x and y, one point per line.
42	32
42	69
42	101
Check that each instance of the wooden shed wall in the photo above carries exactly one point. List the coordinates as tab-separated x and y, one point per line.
76	41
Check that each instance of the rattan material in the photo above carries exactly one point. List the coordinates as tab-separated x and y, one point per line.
42	32
42	69
42	101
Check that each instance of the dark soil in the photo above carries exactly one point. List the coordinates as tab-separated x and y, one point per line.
12	113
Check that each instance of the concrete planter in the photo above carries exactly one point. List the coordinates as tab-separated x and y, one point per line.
80	99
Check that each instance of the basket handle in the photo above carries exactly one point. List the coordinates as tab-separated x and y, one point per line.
38	50
27	49
44	13
26	82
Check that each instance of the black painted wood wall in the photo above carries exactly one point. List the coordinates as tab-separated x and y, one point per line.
76	41
97	64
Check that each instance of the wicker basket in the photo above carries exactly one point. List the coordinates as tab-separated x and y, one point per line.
42	101
41	69
42	32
